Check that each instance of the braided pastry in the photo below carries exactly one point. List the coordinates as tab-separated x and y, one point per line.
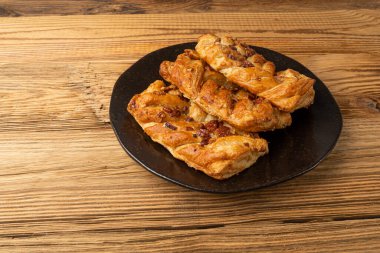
192	135
214	94
288	90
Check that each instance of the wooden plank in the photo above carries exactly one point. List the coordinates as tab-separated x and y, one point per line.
328	236
15	8
73	38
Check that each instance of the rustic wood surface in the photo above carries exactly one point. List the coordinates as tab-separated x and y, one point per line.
15	8
67	185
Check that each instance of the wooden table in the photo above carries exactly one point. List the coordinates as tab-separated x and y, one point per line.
67	185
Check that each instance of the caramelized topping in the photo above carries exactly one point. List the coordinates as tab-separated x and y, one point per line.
232	57
170	126
172	112
185	109
161	116
175	113
247	64
203	133
223	131
204	142
167	109
189	119
212	125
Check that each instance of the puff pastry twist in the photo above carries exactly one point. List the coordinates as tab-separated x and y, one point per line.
192	135
225	100
288	89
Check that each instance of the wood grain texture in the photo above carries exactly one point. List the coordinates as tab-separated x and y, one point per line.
67	185
16	8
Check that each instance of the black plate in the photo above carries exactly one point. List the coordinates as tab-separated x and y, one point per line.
292	151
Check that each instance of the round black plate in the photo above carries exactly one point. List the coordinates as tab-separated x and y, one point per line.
292	151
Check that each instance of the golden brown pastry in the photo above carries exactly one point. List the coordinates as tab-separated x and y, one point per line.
193	136
214	94
288	90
